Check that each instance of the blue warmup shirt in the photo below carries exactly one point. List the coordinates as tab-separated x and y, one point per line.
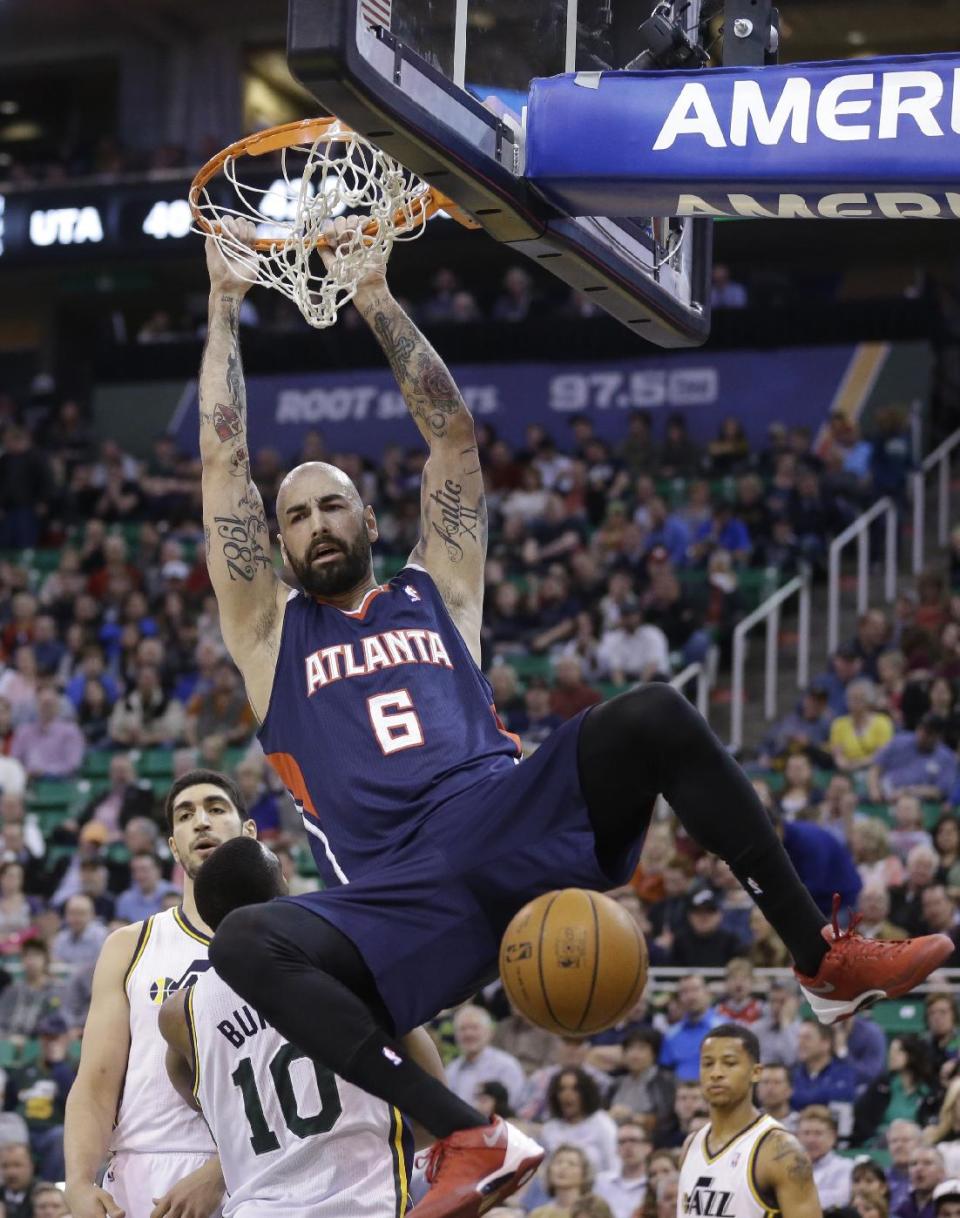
824	864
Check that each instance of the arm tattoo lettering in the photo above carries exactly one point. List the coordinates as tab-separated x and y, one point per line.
242	544
458	522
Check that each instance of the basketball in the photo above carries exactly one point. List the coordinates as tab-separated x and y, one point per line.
573	962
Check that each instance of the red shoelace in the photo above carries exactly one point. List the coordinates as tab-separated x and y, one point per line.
869	947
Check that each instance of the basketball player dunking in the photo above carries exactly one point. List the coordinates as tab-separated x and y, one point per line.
743	1162
430	836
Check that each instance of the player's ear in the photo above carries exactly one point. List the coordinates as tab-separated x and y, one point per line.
370	520
283	548
249	829
173	848
756	1073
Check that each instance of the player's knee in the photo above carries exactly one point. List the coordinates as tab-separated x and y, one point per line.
238	945
659	713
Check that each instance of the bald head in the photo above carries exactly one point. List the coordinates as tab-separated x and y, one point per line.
325	531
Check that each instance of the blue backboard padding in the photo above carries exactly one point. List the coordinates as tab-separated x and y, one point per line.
777	140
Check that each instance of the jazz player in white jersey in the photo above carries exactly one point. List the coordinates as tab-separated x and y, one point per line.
743	1164
294	1139
163	1160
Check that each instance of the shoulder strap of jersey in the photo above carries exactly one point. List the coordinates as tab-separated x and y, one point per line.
142	939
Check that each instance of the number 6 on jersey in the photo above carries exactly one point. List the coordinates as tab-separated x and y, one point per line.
395	722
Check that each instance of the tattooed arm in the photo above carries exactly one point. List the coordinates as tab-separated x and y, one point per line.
453	512
784	1174
249	594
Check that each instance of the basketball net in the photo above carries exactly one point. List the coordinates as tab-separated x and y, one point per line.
327	171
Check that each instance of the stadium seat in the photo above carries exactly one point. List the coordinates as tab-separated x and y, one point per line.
96	764
900	1015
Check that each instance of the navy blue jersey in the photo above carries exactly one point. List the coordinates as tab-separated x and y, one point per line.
377	717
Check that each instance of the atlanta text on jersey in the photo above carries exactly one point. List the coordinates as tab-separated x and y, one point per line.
373	652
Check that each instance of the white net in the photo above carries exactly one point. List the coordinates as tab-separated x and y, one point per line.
339	173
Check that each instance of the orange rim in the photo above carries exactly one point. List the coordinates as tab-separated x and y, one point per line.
288	135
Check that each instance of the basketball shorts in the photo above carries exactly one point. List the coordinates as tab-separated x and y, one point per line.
428	918
136	1181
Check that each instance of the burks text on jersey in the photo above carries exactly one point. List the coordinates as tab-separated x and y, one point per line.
373	652
245	1023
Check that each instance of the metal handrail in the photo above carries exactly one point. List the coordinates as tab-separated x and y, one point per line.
860	530
939	459
698	671
770	612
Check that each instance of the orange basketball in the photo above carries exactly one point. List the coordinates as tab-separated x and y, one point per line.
574	962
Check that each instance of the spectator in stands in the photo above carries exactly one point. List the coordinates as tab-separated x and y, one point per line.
17	910
925	1172
567	1053
857	737
146	716
908	830
48	1201
688	1102
537	720
508	624
778	1028
774	1090
624	1186
870	847
944	1132
679	455
800	794
681	1046
516	299
906	901
725	292
19	685
478	1061
263	805
903	1137
845	665
638	452
943	1036
723	531
645	1090
739	1003
568	1176
904	1092
730	450
126	797
869	1186
49	747
703	942
224	711
38	1091
669	531
871	641
820	1077
145	895
94	877
16	1168
78	943
767	949
35	994
817	1132
915	763
634	650
26	490
941	701
570	693
891	669
838	809
874	907
940	916
806	730
823	863
93	714
533	1047
577	1119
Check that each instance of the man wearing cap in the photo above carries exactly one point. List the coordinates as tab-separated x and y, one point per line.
704	942
914	763
38	1092
946	1199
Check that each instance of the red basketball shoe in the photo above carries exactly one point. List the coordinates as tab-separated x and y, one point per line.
856	972
472	1170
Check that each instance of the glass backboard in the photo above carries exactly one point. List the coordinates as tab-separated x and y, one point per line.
441	85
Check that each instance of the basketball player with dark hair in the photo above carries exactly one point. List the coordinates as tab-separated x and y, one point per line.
162	1158
294	1140
427	832
743	1162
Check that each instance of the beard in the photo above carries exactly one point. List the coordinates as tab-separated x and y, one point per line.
338	575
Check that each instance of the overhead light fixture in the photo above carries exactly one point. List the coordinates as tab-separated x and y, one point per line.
856	38
9	107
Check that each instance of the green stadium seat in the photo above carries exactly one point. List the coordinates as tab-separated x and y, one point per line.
900	1015
9	1054
51	793
527	666
156	763
96	764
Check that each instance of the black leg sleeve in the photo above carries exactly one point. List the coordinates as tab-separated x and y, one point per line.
310	983
651	741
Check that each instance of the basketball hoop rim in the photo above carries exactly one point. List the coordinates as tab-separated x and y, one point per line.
273	139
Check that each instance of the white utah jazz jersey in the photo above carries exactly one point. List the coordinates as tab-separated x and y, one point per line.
294	1140
722	1184
153	1119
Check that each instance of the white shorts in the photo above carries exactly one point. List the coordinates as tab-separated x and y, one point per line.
134	1181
